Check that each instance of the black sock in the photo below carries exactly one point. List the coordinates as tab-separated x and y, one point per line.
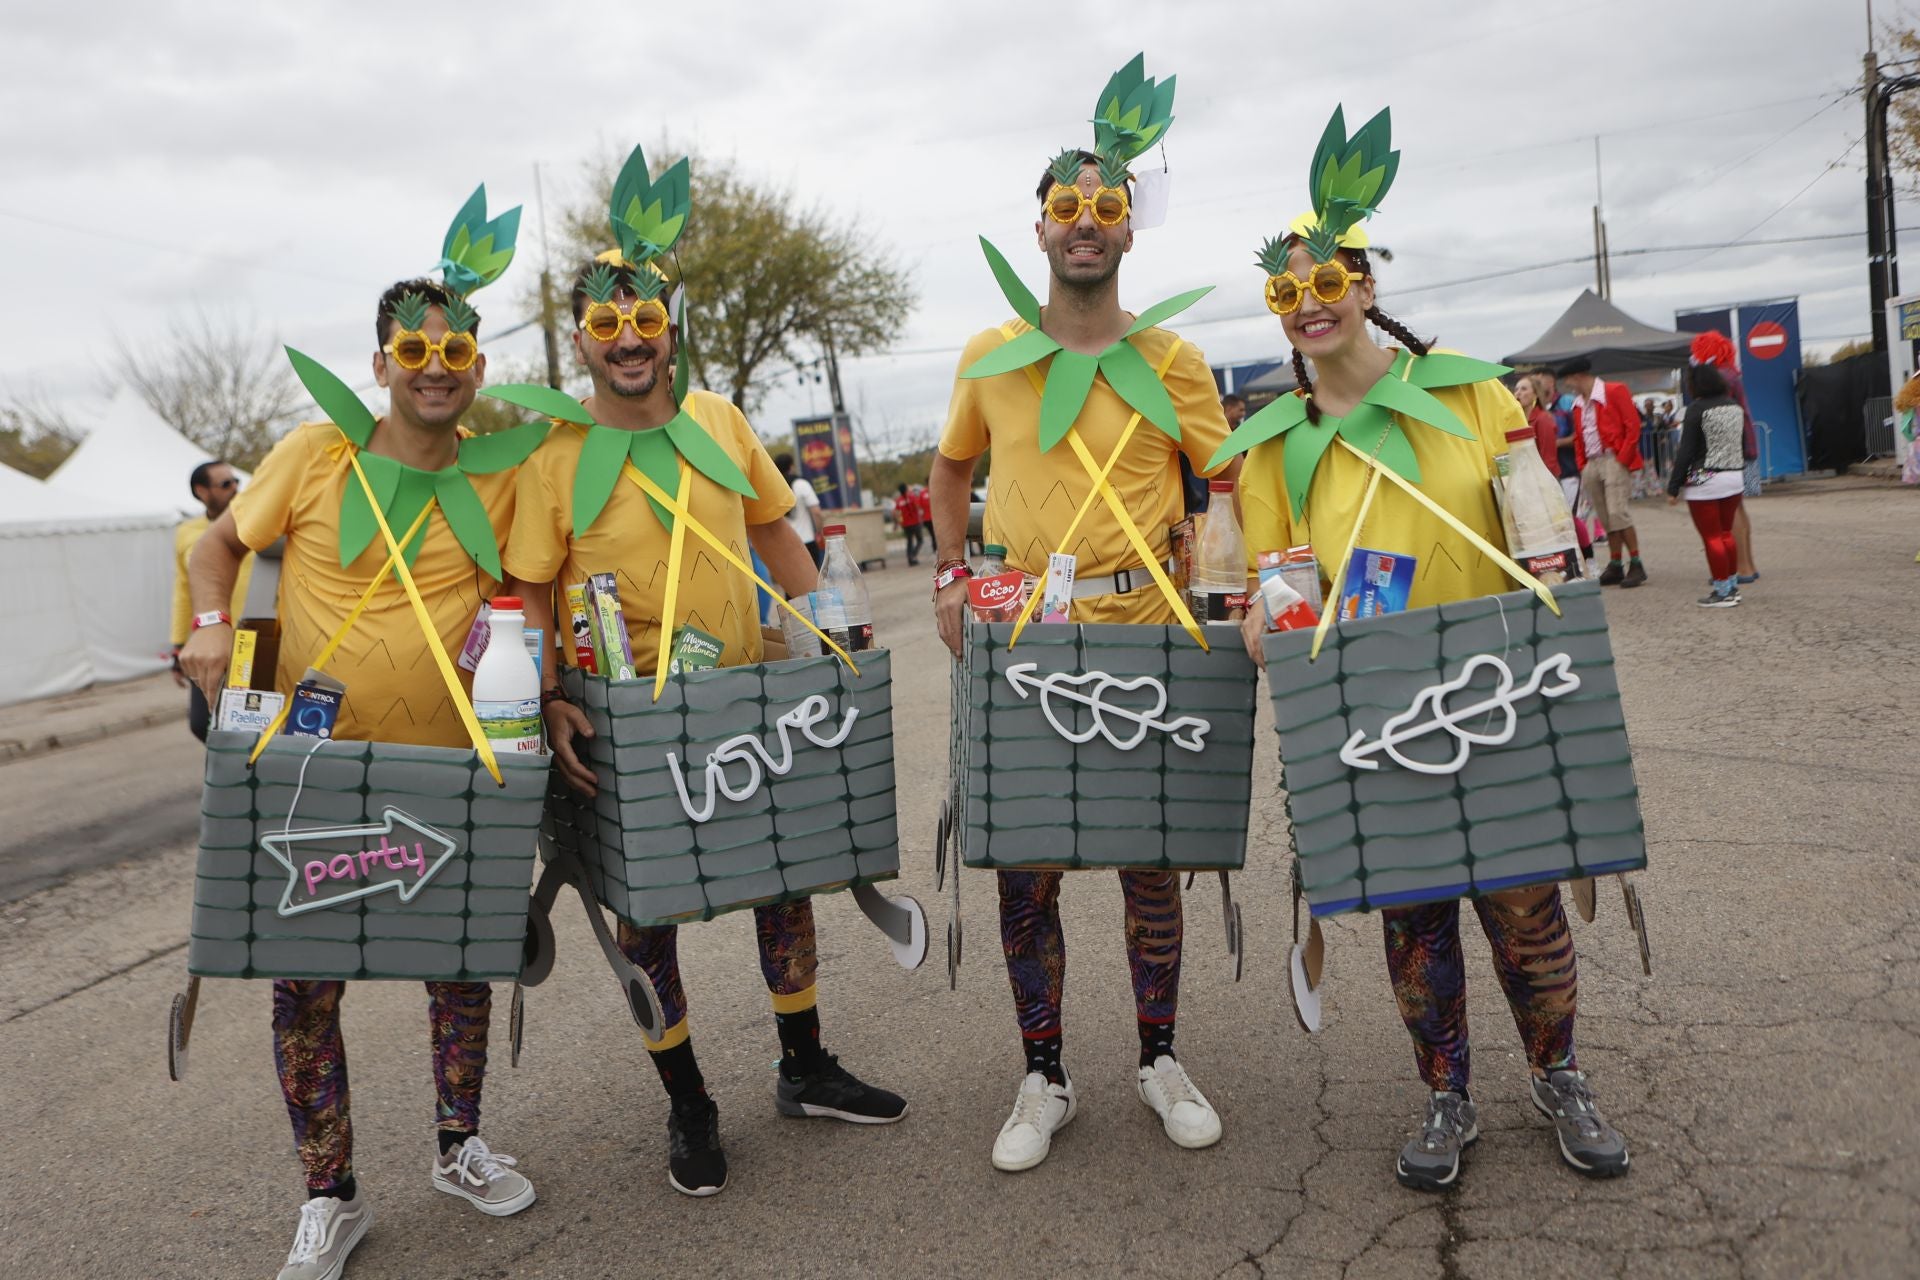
452	1139
1156	1038
340	1190
1043	1055
679	1072
800	1049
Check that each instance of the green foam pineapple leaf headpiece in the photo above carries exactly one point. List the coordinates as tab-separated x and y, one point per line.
1130	115
475	253
648	215
1347	180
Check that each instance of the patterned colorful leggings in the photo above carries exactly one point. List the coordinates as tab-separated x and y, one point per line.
312	1058
1036	948
1532	954
788	960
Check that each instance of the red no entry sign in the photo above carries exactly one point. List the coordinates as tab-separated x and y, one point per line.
1766	340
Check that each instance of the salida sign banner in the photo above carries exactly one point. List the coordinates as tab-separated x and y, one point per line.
823	451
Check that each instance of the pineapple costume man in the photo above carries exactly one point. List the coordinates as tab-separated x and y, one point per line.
448	498
583	511
1056	392
1317	468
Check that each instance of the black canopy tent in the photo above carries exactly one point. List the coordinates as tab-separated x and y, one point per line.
1612	339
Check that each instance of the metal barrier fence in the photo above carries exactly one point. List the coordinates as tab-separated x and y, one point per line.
1879	427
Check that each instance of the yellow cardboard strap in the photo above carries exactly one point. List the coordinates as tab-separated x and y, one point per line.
1103	490
1499	557
339	635
676	549
461	702
680	512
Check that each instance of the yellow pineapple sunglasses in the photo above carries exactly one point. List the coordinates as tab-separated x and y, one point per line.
602	320
411	349
1328	281
1064	204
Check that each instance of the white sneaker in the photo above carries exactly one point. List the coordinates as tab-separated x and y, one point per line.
484	1178
1040	1110
1184	1111
329	1228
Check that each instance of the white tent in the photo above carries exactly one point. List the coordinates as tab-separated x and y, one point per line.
133	460
90	585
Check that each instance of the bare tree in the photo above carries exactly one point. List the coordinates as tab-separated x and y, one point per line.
768	281
35	436
219	382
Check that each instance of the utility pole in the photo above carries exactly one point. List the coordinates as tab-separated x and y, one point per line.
547	328
833	370
1602	267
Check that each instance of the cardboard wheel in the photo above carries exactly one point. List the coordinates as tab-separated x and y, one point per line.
1307	966
1636	916
516	1023
1237	940
537	955
1585	900
645	1005
180	1029
914	953
942	829
953	955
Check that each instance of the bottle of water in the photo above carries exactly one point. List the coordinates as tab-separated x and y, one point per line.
1219	587
506	685
841	606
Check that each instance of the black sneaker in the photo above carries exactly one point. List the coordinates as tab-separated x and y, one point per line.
1611	575
696	1166
830	1090
1636	574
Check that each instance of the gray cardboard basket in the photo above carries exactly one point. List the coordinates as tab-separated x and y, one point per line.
1558	801
827	823
446	902
1027	795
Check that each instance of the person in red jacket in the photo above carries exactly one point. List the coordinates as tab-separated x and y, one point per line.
906	510
1606	450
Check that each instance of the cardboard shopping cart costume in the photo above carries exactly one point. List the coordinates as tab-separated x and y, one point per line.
750	783
376	849
1122	738
1473	742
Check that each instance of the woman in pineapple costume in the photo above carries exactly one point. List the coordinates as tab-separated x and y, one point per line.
1436	420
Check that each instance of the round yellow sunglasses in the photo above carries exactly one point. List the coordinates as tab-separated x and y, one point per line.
1109	204
602	320
1329	282
411	349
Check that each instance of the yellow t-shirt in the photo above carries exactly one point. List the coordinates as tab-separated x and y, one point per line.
628	540
1032	495
185	536
395	692
1455	473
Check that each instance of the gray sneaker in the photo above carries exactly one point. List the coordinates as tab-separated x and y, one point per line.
1587	1142
329	1228
484	1178
1431	1162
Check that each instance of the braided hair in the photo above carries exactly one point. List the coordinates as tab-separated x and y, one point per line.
1386	323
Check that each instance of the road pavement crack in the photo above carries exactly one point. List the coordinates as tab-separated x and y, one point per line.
108	976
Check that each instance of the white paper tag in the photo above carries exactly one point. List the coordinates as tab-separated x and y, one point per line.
1151	189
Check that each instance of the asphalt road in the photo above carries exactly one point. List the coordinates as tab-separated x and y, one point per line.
1764	1073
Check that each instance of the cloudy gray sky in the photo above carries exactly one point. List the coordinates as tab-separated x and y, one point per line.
285	162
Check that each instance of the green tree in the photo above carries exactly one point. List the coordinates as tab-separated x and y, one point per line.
219	382
769	281
35	437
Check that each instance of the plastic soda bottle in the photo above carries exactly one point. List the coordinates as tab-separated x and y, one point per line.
841	606
1219	587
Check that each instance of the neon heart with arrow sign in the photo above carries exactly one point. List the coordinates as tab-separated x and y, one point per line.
1090	690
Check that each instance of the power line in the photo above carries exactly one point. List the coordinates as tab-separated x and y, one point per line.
1833	164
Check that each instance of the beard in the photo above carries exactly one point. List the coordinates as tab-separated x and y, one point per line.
1082	275
633	384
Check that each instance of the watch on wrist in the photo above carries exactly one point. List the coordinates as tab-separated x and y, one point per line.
214	618
949	574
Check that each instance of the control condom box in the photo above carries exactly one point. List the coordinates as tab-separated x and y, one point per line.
1102	745
400	862
1454	751
741	786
